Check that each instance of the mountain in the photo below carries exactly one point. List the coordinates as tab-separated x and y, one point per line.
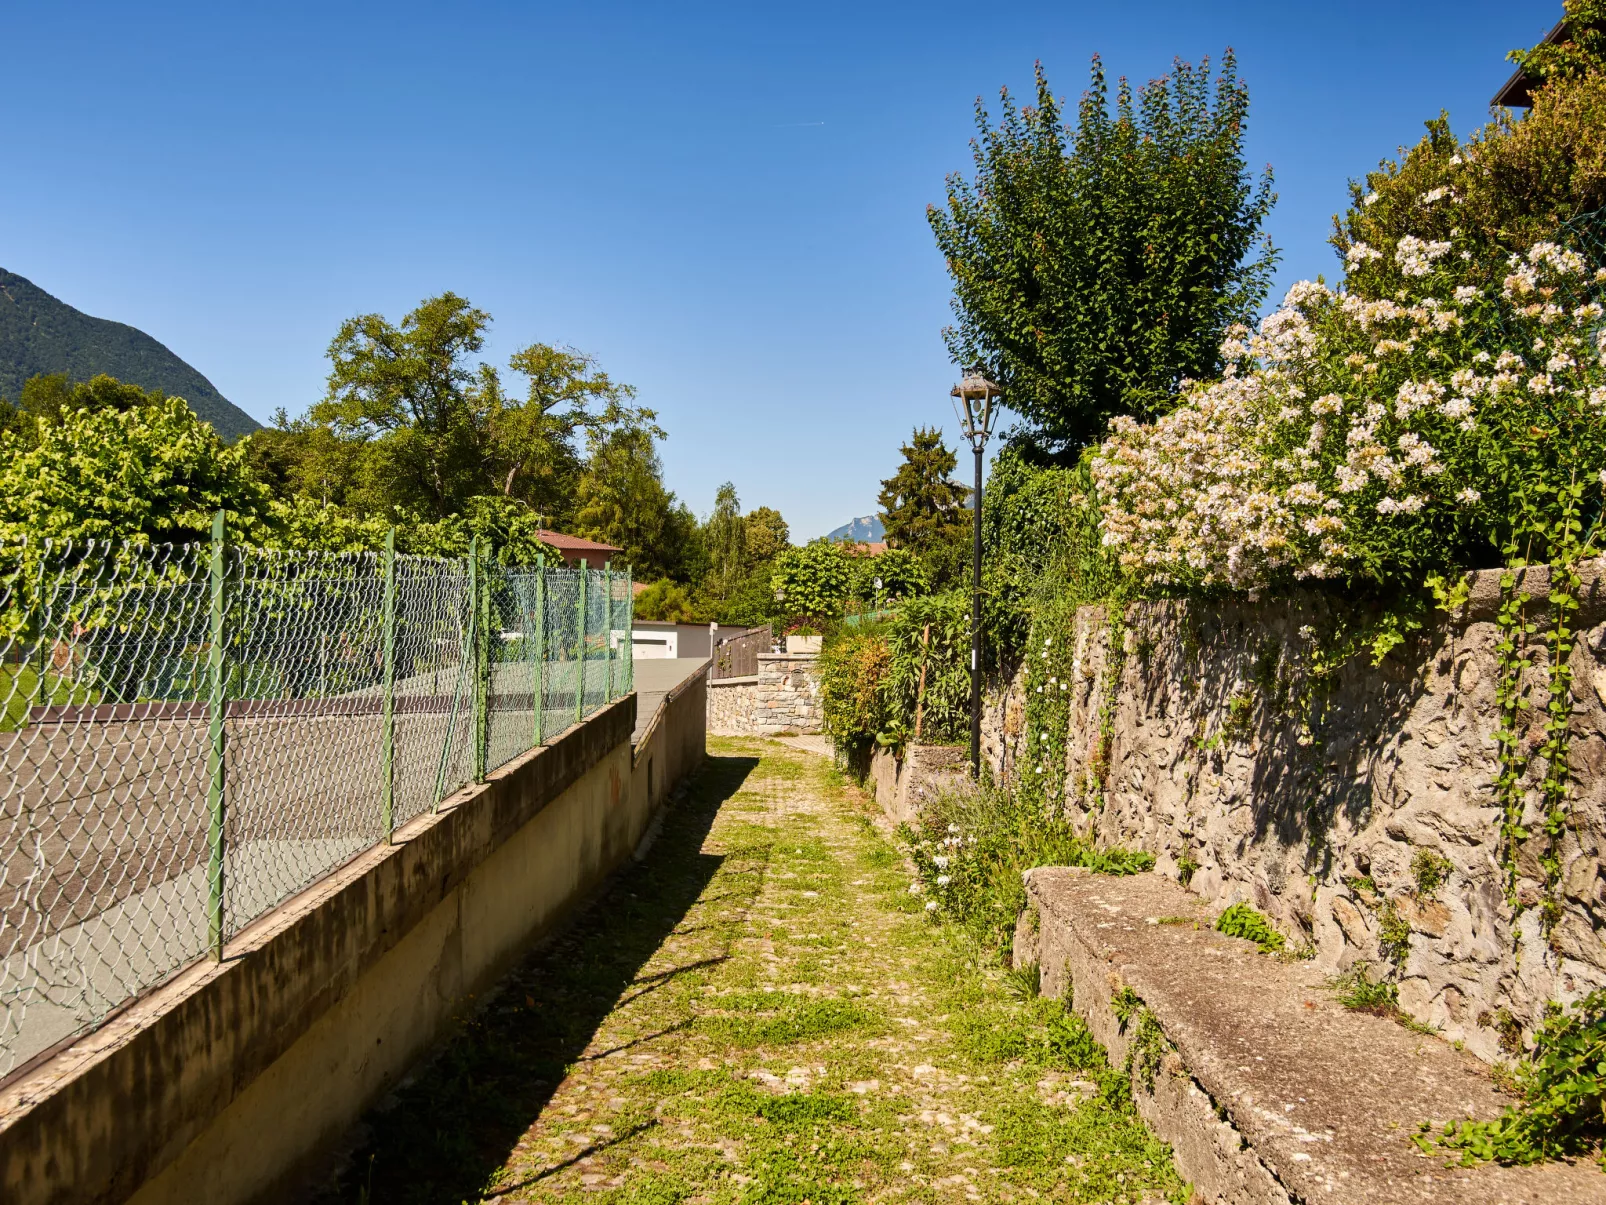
39	334
864	530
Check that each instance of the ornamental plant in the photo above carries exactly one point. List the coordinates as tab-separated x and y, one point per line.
1377	438
812	582
1096	264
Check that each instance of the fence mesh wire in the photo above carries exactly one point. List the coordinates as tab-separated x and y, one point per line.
189	736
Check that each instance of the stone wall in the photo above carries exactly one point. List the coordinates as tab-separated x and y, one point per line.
784	696
1314	800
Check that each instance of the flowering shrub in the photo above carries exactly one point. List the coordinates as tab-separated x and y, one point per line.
1361	436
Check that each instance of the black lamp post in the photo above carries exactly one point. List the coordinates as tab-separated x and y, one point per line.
977	395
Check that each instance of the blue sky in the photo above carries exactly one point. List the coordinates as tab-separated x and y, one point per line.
724	203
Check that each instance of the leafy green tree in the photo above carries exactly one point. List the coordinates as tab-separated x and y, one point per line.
505	526
900	572
1096	268
920	505
623	502
812	582
751	603
152	474
726	537
666	601
412	392
534	448
413	419
48	396
766	534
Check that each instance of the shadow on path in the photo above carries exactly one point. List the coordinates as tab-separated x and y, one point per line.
457	1119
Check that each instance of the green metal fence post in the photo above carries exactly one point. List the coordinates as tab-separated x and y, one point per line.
630	629
387	722
476	600
215	769
607	635
539	701
580	664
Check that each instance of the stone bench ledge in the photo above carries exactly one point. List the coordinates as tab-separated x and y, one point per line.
1274	1091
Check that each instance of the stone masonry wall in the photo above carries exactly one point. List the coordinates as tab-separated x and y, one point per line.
784	696
1312	803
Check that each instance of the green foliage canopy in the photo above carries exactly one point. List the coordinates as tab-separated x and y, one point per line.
1095	268
153	474
811	582
921	506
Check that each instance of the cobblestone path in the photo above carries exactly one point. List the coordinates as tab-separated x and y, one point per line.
761	1013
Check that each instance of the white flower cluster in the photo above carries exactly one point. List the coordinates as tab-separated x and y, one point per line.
1302	453
1416	256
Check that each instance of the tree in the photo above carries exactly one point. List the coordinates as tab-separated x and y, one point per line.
411	392
1096	268
813	581
725	535
152	474
48	396
533	448
622	501
901	574
665	601
920	505
767	535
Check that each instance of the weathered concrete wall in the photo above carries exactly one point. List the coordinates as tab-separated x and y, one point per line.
221	1086
1290	796
903	786
784	696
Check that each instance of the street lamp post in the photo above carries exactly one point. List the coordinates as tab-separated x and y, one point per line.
978	396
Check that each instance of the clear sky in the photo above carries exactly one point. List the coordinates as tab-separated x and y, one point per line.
724	202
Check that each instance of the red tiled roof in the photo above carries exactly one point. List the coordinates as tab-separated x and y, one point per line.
563	543
874	548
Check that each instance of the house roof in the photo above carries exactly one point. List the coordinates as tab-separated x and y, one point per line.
573	544
1517	92
861	548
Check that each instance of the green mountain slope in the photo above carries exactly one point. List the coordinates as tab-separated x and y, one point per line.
39	334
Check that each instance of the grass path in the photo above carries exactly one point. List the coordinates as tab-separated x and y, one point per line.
761	1013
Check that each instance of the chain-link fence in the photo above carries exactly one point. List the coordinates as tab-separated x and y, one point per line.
191	735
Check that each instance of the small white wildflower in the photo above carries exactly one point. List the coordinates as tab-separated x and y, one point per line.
914	888
931	905
1465	293
1468	496
1369	198
941	863
944	879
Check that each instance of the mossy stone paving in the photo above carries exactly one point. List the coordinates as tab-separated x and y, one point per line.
761	1013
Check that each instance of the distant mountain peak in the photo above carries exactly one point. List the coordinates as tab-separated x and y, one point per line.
42	334
866	529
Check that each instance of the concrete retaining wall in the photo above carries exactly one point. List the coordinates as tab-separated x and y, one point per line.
784	696
1315	805
903	785
222	1085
